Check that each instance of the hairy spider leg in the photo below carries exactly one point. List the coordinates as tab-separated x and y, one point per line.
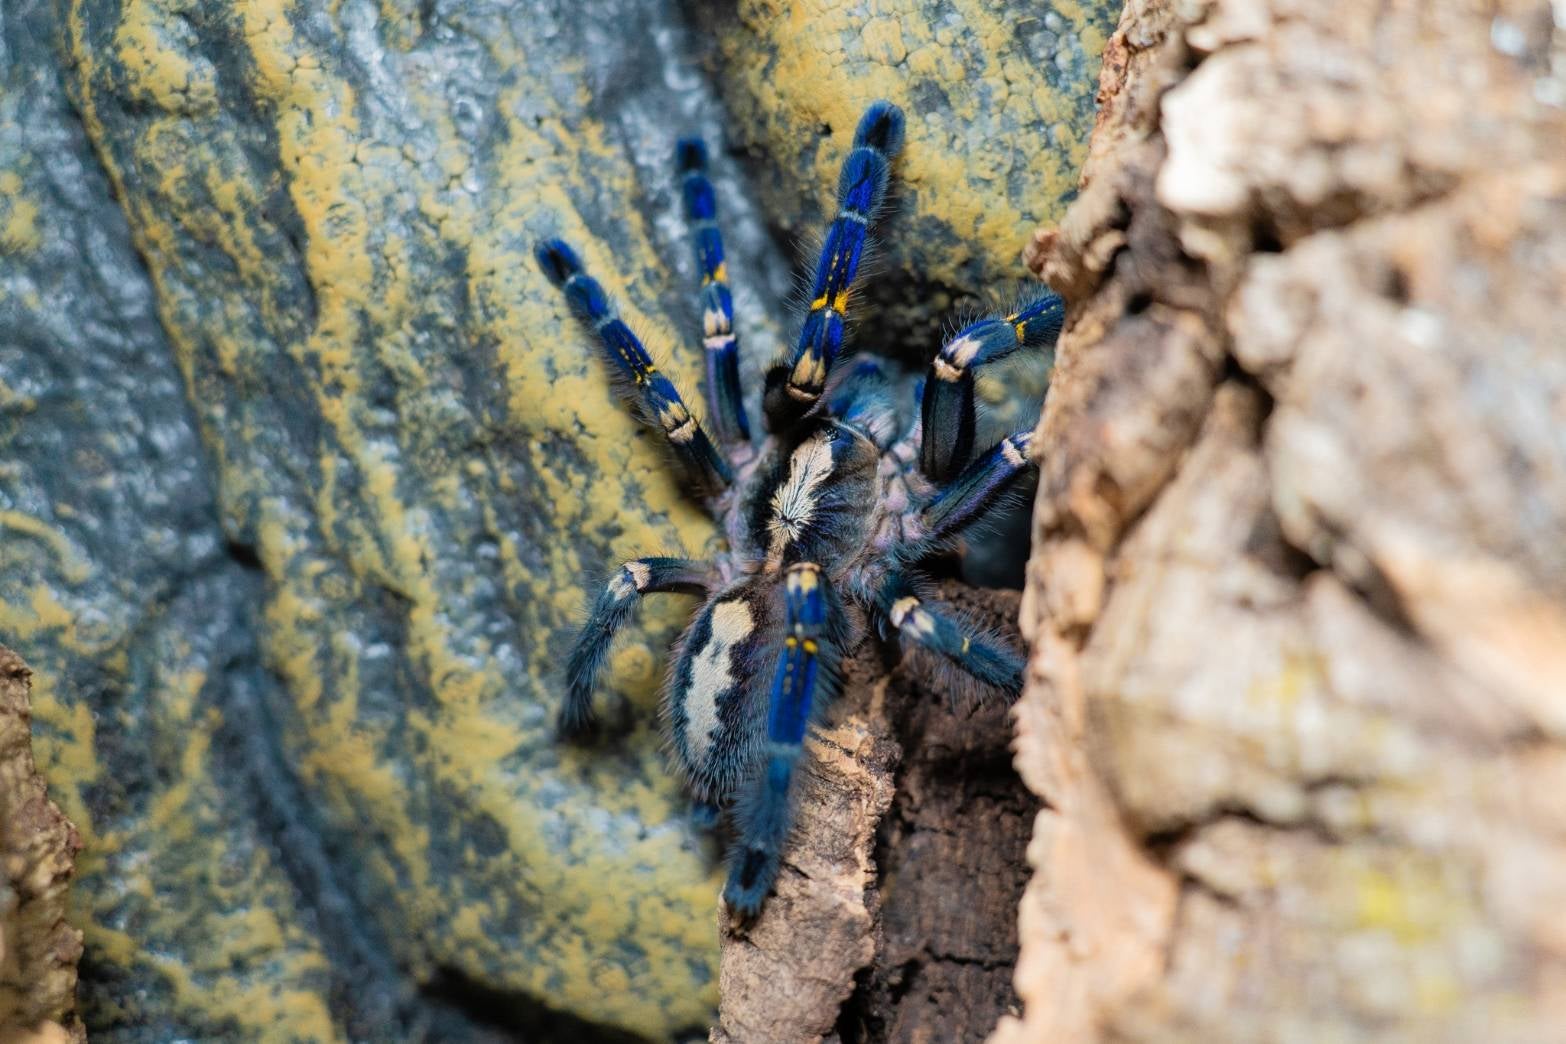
794	388
801	680
964	500
720	346
609	613
655	396
948	413
925	623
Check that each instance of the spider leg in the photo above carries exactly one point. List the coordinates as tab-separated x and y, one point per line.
947	413
794	387
927	624
609	613
660	404
966	498
725	402
802	678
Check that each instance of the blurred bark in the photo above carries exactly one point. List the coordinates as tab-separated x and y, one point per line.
1298	595
38	950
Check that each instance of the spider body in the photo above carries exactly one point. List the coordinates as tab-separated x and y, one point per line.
827	516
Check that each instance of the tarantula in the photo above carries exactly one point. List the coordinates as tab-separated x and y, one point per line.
827	516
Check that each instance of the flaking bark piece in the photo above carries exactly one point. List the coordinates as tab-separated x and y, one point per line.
893	916
1297	599
38	846
784	977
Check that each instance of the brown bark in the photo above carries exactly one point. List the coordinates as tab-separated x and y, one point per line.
784	977
1298	599
951	855
895	912
38	845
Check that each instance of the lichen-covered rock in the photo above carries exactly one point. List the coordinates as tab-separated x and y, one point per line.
306	471
999	100
1298	598
136	618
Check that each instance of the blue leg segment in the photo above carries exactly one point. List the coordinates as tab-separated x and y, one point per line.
725	401
794	388
800	682
656	398
609	613
926	624
971	494
947	413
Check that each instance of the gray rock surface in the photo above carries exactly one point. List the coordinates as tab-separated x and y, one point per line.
305	473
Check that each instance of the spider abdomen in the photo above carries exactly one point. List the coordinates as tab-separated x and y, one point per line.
713	714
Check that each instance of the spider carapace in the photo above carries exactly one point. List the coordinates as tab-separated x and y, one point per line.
828	516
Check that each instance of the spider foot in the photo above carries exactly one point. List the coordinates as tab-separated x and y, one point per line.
751	877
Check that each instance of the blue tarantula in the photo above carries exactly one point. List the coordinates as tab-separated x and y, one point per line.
827	516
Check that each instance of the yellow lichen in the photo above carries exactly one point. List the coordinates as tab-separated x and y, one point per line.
789	71
19	233
369	530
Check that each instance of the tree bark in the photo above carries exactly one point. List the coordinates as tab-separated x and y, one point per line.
895	914
1298	600
38	845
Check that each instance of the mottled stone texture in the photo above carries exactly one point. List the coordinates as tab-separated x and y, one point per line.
1298	602
305	470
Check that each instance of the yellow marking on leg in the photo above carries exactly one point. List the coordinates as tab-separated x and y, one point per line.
809	372
804	577
677	423
834	301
